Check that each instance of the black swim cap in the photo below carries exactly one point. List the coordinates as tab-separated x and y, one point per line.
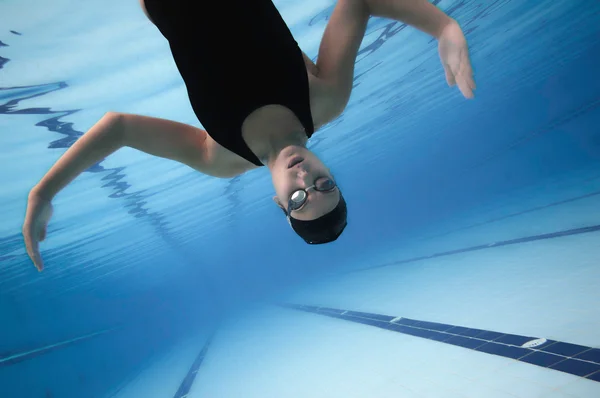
324	229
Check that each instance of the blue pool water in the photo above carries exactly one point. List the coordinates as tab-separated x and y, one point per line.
470	266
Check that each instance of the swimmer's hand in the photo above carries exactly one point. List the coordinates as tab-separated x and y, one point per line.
39	211
454	55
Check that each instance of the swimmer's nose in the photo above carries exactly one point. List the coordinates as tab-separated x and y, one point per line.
302	174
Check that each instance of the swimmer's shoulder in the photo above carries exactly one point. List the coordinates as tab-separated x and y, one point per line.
221	162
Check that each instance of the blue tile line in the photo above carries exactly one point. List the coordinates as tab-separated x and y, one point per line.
188	381
27	355
526	239
578	360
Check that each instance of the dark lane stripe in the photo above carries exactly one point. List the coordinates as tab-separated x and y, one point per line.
522	212
188	381
559	234
569	358
26	355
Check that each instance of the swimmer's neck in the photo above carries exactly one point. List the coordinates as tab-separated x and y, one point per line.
270	129
278	142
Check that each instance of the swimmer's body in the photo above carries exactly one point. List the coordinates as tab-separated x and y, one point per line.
265	122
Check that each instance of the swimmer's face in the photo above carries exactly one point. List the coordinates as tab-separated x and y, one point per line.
298	168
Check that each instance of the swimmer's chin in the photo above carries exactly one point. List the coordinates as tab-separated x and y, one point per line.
283	157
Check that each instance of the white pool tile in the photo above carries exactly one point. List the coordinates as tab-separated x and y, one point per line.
582	388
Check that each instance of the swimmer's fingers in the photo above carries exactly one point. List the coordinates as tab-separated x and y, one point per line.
464	76
39	211
42	235
468	70
449	76
32	245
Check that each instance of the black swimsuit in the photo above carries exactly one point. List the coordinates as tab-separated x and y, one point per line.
234	56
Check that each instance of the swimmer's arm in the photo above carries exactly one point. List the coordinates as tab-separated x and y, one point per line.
159	137
344	33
